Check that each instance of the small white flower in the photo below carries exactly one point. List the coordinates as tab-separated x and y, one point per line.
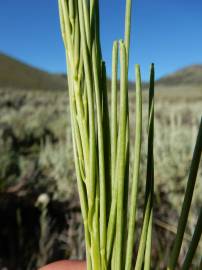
43	200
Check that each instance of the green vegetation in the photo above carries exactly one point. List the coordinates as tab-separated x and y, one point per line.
185	210
45	164
103	177
36	157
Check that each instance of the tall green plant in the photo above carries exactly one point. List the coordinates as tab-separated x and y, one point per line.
185	210
101	142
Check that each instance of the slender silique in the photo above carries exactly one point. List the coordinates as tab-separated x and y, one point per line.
145	238
187	200
136	169
194	243
101	144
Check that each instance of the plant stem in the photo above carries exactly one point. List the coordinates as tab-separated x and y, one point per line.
147	222
135	180
194	243
127	27
114	134
121	157
114	112
106	135
101	160
187	201
147	258
88	77
200	264
150	168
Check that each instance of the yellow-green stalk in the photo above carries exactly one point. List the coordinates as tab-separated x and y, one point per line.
101	144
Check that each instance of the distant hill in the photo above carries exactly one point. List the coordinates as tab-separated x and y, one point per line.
191	75
18	75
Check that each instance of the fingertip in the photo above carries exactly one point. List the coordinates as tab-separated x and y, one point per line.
65	265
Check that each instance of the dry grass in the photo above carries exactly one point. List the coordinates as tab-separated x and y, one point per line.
35	136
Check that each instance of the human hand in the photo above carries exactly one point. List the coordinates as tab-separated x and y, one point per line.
65	265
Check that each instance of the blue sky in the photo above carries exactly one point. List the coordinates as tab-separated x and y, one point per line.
168	33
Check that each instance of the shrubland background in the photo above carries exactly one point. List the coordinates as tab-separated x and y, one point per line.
40	219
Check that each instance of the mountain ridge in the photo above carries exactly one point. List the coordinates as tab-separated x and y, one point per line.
191	75
16	74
